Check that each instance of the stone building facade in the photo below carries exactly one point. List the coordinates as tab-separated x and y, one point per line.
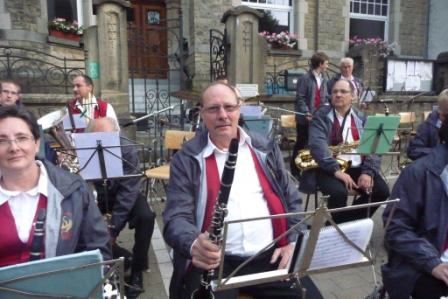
321	25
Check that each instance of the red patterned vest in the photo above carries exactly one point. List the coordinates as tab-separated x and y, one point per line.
12	249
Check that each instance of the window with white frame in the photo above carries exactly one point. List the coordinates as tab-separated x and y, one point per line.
369	18
68	9
278	14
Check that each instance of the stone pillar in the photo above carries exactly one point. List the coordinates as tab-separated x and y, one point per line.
112	53
246	51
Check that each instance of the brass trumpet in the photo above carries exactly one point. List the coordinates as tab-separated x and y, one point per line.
304	160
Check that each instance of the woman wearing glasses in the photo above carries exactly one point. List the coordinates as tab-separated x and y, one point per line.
32	190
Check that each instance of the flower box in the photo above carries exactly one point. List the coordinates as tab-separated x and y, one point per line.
281	41
65	35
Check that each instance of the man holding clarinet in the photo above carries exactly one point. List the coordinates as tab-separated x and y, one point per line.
260	187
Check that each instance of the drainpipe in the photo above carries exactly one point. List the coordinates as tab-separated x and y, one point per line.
428	14
316	27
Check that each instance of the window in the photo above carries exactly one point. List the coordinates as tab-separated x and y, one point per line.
278	14
369	18
67	9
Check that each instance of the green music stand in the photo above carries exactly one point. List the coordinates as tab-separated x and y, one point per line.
379	132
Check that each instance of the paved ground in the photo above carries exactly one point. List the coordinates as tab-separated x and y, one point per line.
355	283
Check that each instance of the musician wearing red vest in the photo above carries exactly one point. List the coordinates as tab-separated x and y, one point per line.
334	125
310	95
261	187
86	103
34	191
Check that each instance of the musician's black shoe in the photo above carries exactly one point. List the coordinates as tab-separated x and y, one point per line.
135	285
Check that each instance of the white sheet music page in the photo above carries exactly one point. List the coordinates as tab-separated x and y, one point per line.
332	250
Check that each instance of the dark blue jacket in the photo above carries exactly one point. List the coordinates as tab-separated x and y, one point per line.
427	137
319	140
416	234
306	93
187	179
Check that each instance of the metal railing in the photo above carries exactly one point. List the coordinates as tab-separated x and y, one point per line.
37	71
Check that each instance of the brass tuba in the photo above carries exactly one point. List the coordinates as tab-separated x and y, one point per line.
304	160
52	123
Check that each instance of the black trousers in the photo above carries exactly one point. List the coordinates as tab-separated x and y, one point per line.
301	143
330	185
429	287
141	219
280	289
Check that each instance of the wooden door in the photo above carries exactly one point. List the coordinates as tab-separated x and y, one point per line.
147	40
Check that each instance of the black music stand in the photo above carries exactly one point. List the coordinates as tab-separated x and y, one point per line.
105	155
307	245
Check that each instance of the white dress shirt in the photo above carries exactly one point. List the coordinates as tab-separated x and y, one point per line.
110	112
246	200
347	136
23	205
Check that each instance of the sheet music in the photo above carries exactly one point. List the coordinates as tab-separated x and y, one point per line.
79	121
85	147
332	250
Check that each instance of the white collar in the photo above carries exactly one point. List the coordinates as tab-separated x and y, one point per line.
211	147
342	116
79	105
40	188
316	74
347	78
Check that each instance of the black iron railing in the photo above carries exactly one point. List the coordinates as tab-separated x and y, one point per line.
37	71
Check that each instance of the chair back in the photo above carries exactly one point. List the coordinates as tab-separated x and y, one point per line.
174	139
288	121
407	117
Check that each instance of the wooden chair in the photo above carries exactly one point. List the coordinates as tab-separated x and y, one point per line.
288	125
173	141
404	133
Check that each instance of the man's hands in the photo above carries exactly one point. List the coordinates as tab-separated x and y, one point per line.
365	182
346	179
309	117
441	272
284	253
205	254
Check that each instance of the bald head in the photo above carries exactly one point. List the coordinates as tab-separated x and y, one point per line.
104	124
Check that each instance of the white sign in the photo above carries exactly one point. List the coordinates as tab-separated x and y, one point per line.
248	90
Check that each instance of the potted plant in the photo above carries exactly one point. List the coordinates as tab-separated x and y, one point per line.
378	46
62	28
283	40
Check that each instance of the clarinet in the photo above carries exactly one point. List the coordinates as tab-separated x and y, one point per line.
38	236
217	222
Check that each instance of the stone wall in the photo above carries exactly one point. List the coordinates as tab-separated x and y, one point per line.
332	27
204	15
26	15
413	27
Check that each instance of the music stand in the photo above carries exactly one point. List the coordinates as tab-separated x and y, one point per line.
379	132
78	275
95	151
304	250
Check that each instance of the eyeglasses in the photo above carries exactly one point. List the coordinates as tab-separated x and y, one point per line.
20	141
14	93
343	91
216	108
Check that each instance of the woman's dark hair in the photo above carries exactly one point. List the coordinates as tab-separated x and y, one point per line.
23	114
